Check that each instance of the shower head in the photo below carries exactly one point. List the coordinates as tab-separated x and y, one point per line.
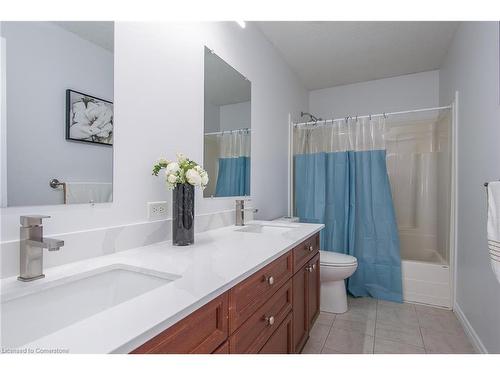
311	117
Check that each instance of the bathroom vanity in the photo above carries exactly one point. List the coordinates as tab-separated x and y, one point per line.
271	311
249	289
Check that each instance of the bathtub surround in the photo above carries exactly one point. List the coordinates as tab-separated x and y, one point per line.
153	63
472	67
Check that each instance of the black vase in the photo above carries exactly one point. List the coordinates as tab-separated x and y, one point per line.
183	215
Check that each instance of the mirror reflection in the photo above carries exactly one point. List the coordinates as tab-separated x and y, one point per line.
57	134
227	129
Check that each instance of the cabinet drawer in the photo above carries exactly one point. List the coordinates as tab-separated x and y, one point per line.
254	333
281	340
305	251
249	295
201	332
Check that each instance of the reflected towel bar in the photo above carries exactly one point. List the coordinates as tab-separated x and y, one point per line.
55	183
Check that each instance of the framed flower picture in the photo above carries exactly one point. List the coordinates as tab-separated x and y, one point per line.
88	119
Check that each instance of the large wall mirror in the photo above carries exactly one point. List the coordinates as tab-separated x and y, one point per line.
227	129
57	127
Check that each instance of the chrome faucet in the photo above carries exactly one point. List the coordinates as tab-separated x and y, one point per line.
31	245
240	212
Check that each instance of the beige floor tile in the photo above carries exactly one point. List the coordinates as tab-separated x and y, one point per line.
311	348
446	343
397	316
325	318
318	334
366	327
401	333
446	321
331	351
359	313
391	347
353	342
395	305
361	302
432	310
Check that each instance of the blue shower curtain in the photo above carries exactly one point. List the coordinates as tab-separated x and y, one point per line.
350	193
233	178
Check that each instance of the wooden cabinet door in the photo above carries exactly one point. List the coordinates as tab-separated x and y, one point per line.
202	332
281	340
313	286
223	349
300	309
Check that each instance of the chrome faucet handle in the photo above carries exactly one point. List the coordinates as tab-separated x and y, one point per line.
32	220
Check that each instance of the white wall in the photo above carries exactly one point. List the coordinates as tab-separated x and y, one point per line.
159	109
472	67
412	91
42	61
235	116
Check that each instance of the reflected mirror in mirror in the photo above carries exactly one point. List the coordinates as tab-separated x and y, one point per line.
227	129
57	129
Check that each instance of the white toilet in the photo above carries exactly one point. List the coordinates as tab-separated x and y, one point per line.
335	268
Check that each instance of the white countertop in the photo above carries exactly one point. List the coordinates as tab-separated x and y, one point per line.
218	260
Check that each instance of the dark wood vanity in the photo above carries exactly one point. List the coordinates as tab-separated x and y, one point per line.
270	312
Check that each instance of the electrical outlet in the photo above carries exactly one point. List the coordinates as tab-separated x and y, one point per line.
157	210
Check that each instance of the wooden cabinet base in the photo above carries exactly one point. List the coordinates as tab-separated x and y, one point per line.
270	312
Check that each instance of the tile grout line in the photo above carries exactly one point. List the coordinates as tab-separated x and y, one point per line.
420	330
375	328
328	335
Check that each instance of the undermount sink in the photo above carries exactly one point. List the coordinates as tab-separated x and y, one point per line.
266	228
60	303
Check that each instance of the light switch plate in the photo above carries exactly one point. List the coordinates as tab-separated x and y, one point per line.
157	210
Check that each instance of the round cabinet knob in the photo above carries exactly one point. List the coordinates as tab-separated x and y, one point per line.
270	280
270	320
311	248
309	269
314	267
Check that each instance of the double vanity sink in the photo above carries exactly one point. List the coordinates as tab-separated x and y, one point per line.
115	303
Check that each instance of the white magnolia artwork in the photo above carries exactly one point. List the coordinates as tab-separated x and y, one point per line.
88	119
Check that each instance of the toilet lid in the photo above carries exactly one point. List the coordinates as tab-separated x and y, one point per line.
334	258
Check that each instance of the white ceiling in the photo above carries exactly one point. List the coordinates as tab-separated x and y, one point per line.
224	84
97	32
331	53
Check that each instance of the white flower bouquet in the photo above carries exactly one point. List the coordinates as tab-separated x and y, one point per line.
182	171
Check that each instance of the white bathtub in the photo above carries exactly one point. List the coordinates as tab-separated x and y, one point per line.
426	275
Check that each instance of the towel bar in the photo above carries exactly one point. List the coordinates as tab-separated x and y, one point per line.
55	183
486	184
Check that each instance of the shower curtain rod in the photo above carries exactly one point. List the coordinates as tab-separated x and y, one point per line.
229	131
324	122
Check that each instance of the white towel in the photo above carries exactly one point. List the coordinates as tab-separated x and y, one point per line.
89	192
494	226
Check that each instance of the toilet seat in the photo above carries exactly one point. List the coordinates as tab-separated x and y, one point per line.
334	259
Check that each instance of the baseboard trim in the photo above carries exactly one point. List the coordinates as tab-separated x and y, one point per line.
473	336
